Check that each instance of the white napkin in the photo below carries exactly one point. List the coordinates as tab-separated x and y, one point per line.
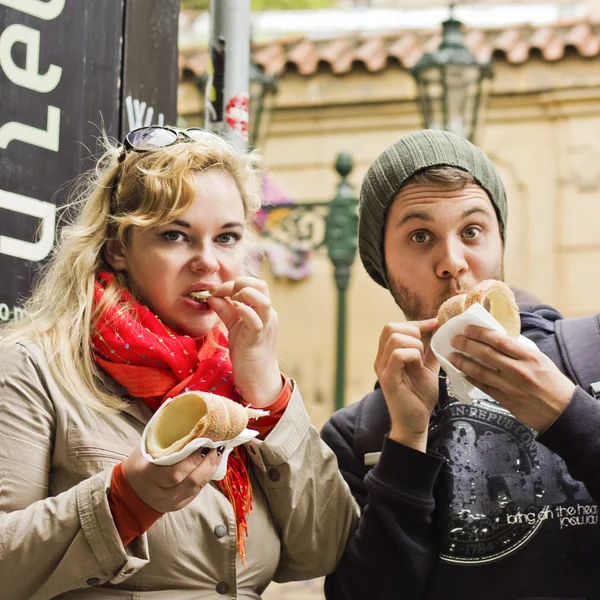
442	348
171	459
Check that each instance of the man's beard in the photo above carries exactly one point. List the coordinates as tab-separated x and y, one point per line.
415	309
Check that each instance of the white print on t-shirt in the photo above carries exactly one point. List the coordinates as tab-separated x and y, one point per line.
568	516
499	489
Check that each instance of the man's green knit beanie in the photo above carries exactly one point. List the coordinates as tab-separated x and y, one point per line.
398	163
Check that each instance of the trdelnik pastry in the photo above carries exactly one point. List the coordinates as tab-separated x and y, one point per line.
197	415
493	295
201	295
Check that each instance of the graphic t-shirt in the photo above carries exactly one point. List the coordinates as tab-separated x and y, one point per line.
501	494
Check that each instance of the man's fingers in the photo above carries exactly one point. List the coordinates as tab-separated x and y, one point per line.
427	326
398	341
430	360
480	373
399	360
409	329
497	340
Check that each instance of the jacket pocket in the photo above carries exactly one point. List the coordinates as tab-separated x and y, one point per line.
91	451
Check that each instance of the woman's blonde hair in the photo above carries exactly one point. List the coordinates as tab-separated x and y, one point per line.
137	189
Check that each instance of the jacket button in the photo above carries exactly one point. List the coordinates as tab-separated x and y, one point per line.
93	581
222	588
220	531
274	475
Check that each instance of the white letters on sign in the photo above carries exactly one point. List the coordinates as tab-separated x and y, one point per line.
28	77
48	138
139	114
46	211
43	10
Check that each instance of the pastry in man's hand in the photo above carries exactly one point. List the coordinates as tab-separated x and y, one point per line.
493	295
197	415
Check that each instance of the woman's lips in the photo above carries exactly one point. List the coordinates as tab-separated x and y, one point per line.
196	304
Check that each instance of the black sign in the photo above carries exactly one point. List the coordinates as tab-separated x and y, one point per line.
68	70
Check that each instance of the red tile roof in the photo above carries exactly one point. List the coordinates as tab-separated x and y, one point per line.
513	44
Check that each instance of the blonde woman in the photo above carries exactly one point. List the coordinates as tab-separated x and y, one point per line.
112	330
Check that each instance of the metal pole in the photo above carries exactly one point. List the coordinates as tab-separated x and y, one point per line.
340	239
227	87
340	353
341	225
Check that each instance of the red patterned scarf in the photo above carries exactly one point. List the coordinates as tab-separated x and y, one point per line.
153	363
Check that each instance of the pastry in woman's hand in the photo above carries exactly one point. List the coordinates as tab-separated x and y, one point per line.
197	415
493	295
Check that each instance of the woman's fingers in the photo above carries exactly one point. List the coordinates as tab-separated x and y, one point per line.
250	318
231	288
225	310
189	488
255	299
249	305
173	475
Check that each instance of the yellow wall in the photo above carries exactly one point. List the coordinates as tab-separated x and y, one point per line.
542	130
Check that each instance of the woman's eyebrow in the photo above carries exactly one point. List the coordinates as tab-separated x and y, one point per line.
187	225
232	224
182	223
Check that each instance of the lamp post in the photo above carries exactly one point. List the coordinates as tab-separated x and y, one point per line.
450	83
263	88
332	225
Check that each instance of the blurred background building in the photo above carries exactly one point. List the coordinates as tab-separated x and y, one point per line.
344	83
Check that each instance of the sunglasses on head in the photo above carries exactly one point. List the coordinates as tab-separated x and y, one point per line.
154	137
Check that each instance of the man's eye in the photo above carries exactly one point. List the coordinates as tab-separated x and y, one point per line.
472	232
420	237
173	236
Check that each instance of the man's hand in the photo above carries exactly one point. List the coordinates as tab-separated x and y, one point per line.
408	374
523	380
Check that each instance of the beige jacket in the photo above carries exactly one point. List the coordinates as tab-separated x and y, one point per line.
57	535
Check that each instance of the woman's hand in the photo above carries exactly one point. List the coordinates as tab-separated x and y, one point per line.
522	379
245	308
170	488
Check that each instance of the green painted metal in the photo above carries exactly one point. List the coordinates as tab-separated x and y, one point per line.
433	72
333	225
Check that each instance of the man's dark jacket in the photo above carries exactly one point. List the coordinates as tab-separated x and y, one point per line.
492	511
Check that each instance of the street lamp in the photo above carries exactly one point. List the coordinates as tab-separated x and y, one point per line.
263	88
332	225
450	83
